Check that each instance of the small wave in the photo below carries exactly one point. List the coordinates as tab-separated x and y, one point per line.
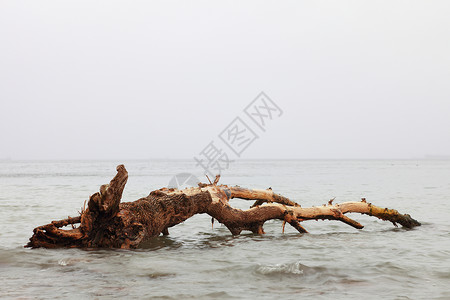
159	275
295	268
63	262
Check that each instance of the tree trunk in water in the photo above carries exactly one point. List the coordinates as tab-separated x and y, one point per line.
107	223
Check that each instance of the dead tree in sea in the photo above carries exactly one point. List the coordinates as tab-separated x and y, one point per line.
107	223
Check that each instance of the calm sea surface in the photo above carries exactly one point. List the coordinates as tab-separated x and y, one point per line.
197	261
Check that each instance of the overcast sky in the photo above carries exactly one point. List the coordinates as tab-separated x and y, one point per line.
162	79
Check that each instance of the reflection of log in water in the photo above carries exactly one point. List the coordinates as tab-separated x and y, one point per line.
108	223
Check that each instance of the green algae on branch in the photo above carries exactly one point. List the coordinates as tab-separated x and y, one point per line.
108	223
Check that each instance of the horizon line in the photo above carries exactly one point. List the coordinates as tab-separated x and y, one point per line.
428	157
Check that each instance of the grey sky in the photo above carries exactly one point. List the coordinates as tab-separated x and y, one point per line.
161	79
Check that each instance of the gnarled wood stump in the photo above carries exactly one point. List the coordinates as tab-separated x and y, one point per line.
107	223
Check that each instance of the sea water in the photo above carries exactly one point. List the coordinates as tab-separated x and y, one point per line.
198	261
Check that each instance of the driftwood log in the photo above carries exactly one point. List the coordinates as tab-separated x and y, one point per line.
107	223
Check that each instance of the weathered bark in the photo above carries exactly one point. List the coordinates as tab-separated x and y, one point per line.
107	223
